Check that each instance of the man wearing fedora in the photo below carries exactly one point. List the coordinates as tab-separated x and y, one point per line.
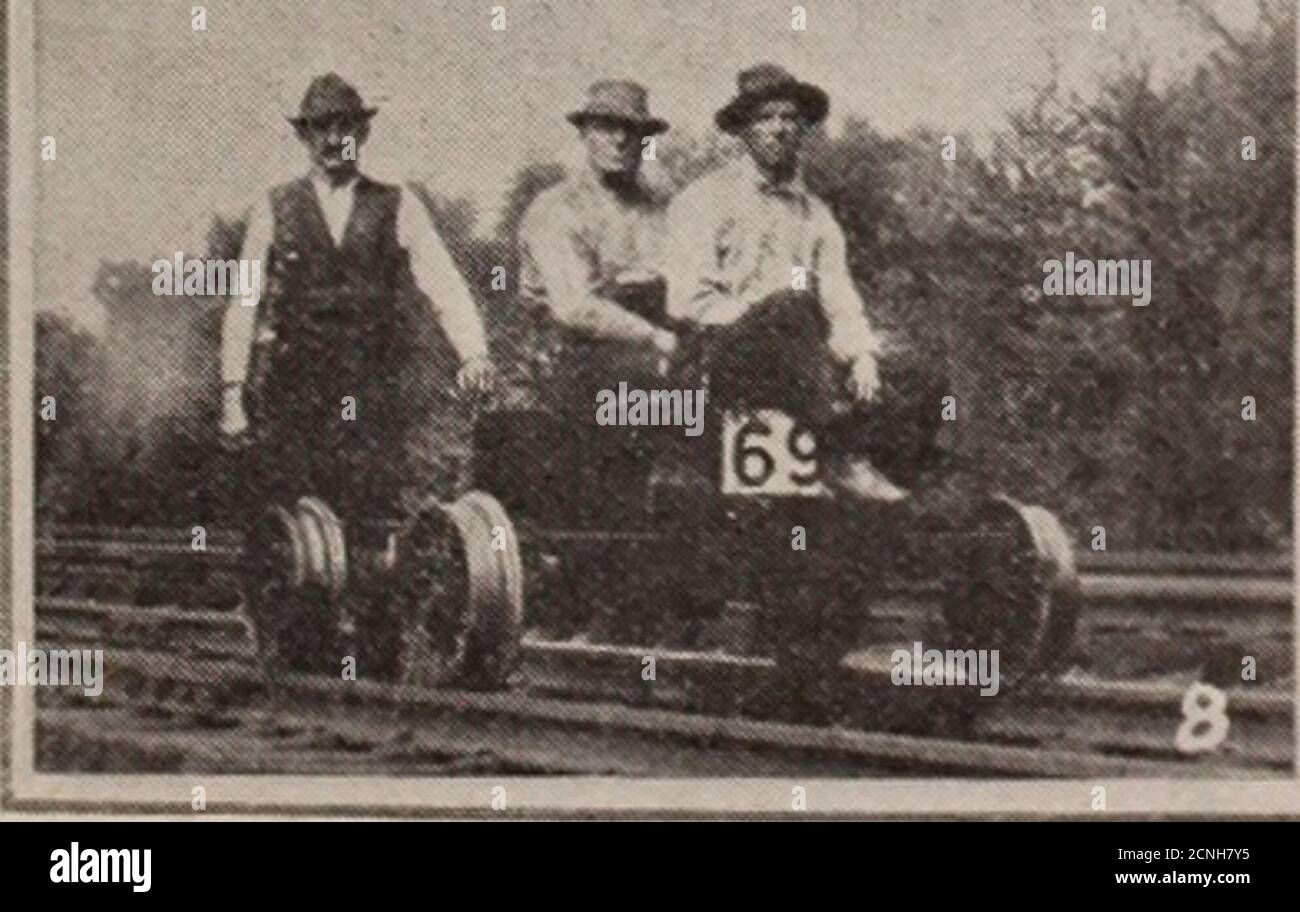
591	252
599	233
759	264
353	268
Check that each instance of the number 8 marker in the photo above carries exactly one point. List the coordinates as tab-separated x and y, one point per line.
1202	704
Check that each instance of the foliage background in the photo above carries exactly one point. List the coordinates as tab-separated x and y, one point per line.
1115	415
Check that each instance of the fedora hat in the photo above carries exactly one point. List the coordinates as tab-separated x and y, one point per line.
618	100
765	82
331	96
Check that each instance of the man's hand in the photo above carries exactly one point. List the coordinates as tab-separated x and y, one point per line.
666	343
637	277
724	311
234	421
864	378
476	375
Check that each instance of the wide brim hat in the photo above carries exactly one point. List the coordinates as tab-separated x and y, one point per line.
620	101
766	82
328	97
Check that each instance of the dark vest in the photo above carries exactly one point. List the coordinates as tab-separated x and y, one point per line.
336	311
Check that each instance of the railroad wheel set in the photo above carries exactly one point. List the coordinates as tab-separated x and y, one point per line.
1013	586
436	599
439	598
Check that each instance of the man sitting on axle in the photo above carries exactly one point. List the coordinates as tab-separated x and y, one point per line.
758	263
591	250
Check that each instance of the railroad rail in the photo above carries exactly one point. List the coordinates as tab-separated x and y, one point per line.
1131	605
1120	562
179	647
1136	576
1077	725
204	715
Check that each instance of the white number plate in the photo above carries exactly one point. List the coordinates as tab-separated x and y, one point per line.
767	452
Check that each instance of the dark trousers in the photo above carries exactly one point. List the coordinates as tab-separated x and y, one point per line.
303	442
776	356
556	465
613	462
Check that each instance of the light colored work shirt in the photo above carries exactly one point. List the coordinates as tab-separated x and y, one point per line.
578	240
734	239
431	265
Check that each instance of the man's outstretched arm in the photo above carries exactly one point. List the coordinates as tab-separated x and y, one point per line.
239	326
571	290
437	276
852	339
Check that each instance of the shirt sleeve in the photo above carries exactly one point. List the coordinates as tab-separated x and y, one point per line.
239	325
698	286
571	280
851	334
437	276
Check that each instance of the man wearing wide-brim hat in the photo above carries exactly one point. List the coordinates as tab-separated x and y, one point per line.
759	263
768	82
591	253
601	229
353	268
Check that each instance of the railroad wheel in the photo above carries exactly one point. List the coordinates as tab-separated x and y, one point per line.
501	615
1011	587
323	526
460	594
275	555
331	556
289	590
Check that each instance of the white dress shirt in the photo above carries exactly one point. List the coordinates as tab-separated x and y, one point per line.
735	238
578	239
336	204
